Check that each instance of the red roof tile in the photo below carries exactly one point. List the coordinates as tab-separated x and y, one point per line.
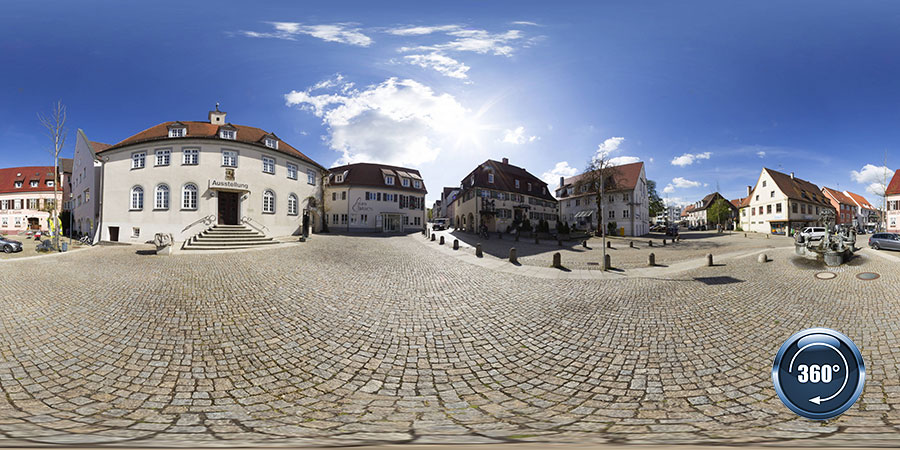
206	130
894	187
797	189
860	200
370	174
10	175
625	178
838	196
505	176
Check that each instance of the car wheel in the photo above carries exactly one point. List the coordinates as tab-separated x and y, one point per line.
875	246
7	249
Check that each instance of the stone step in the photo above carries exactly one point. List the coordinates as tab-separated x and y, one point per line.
205	244
226	237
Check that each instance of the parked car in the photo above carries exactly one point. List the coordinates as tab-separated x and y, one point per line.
887	241
672	230
9	245
813	233
440	224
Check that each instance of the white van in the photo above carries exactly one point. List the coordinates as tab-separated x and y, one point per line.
813	233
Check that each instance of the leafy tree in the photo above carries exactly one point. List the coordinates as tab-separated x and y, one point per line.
611	229
719	212
656	204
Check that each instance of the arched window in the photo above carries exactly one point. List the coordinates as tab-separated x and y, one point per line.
189	196
162	197
292	205
137	198
268	202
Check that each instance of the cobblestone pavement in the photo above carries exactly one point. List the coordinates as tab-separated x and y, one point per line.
373	340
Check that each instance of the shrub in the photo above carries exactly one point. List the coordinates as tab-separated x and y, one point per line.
611	228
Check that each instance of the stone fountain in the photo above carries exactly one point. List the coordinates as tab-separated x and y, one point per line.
833	248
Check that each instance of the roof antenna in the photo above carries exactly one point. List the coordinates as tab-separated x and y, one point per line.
217	106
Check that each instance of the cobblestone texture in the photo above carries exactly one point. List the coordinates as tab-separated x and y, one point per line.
364	340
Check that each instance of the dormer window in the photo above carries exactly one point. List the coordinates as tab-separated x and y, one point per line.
404	182
228	134
177	132
389	180
529	187
272	143
517	184
417	184
18	184
339	178
34	183
491	178
49	183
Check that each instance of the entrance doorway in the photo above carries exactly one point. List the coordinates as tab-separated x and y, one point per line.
228	207
114	234
34	223
391	223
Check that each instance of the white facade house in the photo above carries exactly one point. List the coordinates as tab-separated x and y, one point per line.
782	204
669	214
84	201
366	197
26	197
626	203
867	216
892	206
182	177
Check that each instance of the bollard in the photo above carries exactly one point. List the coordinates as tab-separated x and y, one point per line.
650	243
584	244
557	260
763	258
608	244
607	263
456	244
651	260
432	237
512	256
478	251
631	244
745	234
709	260
442	241
664	242
767	236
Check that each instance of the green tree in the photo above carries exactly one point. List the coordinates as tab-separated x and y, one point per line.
719	212
656	204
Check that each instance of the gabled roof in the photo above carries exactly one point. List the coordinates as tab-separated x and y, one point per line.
99	146
859	200
894	186
206	130
797	189
625	178
687	209
10	175
370	174
505	176
709	200
838	196
738	202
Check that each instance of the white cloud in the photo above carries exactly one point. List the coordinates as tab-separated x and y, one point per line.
621	160
688	158
344	33
562	169
680	183
400	122
876	178
517	136
525	22
608	146
419	31
477	41
445	65
761	154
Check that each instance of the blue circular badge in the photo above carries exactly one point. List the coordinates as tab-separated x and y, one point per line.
818	373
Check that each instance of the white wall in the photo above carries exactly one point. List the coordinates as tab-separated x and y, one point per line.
351	201
85	176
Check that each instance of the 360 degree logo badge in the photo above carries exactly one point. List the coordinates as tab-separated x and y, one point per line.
818	373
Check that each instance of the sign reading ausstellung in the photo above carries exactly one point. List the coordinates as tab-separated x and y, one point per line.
218	184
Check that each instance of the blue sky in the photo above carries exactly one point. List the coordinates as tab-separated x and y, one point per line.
706	93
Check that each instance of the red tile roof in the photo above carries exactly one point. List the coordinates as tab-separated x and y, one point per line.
737	203
860	200
625	178
687	209
99	146
838	196
797	189
206	130
370	174
505	176
894	186
9	176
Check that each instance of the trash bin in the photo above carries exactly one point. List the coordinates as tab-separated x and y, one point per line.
65	246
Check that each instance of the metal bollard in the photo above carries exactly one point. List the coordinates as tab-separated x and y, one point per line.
651	260
709	260
478	251
456	244
442	241
432	237
557	260
512	256
607	263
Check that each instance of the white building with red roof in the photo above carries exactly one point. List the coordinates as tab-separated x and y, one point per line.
26	197
182	178
892	205
867	216
626	203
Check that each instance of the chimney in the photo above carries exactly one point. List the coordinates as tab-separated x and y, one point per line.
562	181
505	160
792	175
217	117
749	190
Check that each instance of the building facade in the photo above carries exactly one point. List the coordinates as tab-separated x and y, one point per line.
867	216
366	197
843	205
27	197
502	196
782	204
626	201
669	214
84	187
182	177
892	205
699	215
448	202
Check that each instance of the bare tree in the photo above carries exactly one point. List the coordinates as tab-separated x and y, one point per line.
55	124
599	177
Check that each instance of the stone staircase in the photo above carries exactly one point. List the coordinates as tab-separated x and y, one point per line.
227	237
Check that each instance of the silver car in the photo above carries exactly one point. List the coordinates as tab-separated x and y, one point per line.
887	241
10	246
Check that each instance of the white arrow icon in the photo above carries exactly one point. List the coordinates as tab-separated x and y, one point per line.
818	399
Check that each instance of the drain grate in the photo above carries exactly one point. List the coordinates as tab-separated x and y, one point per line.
826	275
593	264
867	276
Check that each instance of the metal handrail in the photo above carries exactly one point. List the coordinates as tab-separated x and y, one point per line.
248	220
208	220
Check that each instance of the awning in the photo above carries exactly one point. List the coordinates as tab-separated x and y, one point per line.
585	213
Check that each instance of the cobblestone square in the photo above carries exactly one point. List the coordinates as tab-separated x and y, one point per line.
369	340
